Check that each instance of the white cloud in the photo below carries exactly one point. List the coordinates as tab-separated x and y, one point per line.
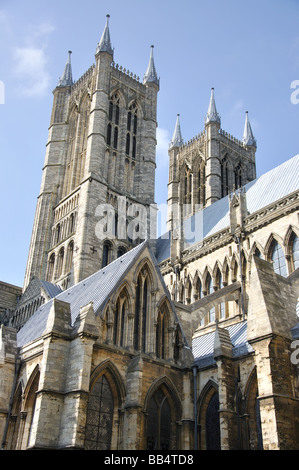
31	70
31	61
163	140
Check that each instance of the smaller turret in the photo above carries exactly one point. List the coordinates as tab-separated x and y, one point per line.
105	43
67	78
177	140
212	115
248	138
151	74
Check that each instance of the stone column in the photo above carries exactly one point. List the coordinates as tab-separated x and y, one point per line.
271	316
226	383
8	369
133	405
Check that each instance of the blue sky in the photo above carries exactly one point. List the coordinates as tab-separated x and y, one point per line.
247	51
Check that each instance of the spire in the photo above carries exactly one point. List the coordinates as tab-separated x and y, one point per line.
151	74
248	138
177	139
105	44
67	79
212	115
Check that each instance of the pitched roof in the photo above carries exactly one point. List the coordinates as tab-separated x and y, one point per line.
96	288
265	190
203	346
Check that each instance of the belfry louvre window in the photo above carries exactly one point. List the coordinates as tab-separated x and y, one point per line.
99	420
224	177
238	176
132	126
113	118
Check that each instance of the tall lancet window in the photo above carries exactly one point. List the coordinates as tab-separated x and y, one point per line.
132	127
188	189
295	250
224	177
238	176
210	290
113	124
141	313
202	186
278	259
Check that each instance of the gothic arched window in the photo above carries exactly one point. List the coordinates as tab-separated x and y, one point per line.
69	256
113	118
198	289
141	313
121	251
238	176
295	252
219	281
99	420
60	262
224	177
161	333
119	322
210	290
187	186
51	267
144	314
132	130
159	422
109	132
106	254
278	259
213	424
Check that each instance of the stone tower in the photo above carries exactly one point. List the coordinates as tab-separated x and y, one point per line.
208	167
98	179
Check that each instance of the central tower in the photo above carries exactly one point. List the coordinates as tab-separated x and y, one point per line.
99	171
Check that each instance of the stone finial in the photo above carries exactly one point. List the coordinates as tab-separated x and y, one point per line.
248	138
177	139
105	43
212	115
67	79
151	74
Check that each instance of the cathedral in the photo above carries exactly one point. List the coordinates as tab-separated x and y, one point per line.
123	340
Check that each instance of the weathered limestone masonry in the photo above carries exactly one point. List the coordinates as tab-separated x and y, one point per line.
101	146
59	418
271	311
207	167
185	342
9	365
9	297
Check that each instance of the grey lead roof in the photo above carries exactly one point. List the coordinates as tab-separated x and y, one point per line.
203	346
95	288
265	190
51	289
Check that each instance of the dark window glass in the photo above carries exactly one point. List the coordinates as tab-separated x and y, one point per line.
213	424
99	416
